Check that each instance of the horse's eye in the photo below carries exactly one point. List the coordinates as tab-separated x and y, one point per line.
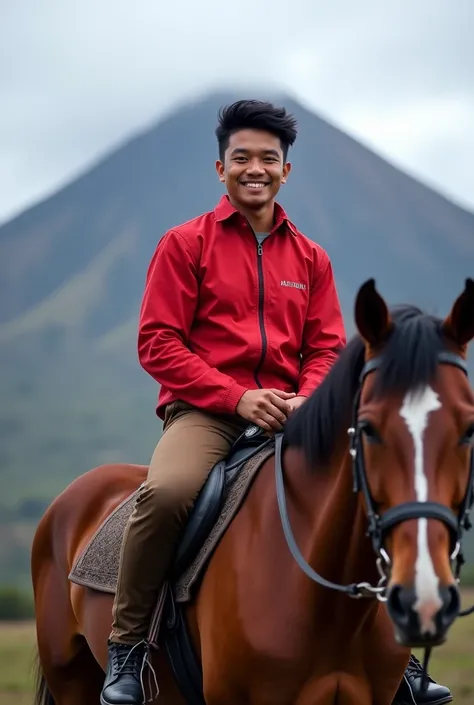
369	432
468	437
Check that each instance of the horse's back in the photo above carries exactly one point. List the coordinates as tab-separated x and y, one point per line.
76	513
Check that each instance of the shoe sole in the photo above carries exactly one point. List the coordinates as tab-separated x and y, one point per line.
440	701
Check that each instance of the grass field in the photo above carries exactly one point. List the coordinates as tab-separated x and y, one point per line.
17	643
452	664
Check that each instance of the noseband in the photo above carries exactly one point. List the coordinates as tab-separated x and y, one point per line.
380	525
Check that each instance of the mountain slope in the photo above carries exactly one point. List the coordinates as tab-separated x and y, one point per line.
72	270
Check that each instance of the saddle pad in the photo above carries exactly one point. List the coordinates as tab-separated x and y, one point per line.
97	566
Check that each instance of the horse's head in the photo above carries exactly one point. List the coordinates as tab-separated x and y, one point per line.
412	445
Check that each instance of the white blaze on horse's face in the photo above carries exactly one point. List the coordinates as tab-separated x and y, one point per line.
415	411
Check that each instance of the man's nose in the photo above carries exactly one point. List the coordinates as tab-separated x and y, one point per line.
255	168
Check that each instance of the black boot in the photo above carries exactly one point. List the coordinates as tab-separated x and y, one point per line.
123	681
410	692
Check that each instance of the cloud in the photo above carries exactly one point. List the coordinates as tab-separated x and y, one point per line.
81	77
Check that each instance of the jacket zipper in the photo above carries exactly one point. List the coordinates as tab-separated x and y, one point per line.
261	296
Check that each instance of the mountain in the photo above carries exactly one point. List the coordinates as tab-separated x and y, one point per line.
72	270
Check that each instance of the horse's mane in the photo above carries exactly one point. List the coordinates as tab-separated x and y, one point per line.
409	362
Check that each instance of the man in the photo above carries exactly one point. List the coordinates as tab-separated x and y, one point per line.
240	322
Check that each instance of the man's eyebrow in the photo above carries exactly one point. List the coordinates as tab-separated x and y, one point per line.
242	150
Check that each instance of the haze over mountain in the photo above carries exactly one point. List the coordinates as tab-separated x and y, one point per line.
72	270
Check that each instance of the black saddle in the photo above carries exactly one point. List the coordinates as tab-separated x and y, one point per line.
209	502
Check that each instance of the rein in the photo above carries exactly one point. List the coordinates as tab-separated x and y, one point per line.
356	590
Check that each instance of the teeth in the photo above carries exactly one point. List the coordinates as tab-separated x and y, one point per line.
255	184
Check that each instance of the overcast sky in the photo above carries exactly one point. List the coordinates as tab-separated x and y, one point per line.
77	78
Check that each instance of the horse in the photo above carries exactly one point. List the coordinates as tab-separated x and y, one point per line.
339	560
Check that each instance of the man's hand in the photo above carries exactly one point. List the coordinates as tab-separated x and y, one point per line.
267	408
296	402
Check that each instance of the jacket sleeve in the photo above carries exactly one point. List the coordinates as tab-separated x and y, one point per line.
166	316
324	335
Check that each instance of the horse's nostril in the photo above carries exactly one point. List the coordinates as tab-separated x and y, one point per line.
451	604
419	623
398	610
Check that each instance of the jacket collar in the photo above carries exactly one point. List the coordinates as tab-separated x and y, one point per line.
225	210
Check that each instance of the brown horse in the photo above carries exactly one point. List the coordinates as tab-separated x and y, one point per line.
265	632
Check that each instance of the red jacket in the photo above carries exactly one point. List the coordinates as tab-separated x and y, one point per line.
221	314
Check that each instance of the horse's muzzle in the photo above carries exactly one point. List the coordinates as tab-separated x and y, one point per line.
417	625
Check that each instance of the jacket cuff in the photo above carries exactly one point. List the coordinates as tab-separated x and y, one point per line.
232	397
306	390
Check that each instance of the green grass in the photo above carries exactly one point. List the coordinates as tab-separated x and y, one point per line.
17	650
451	664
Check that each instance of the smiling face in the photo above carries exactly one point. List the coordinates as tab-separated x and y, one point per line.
253	169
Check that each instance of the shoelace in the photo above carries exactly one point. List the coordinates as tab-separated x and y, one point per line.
133	662
127	661
415	668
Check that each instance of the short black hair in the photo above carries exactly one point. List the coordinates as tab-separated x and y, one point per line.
255	115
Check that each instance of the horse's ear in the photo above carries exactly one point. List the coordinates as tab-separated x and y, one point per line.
372	316
459	324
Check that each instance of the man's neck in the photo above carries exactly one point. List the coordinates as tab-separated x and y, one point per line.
261	221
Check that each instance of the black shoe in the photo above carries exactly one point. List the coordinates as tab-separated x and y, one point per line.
123	682
410	692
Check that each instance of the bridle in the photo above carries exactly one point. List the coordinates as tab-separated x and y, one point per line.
380	525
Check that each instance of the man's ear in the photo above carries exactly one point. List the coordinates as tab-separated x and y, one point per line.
220	170
286	171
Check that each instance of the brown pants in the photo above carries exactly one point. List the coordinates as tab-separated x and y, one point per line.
191	444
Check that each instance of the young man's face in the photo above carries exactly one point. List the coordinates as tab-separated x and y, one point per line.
253	169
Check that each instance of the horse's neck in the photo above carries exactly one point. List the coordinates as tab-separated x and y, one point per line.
333	522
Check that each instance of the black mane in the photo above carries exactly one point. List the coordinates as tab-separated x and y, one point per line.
409	363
